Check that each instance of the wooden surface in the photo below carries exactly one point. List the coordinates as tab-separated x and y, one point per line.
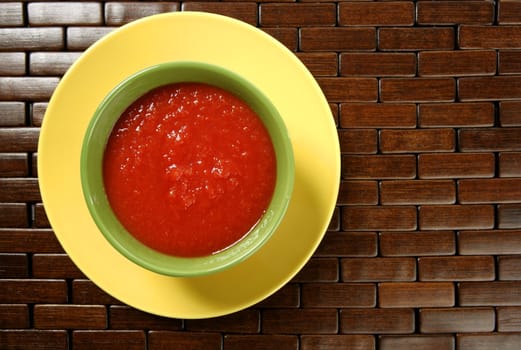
424	248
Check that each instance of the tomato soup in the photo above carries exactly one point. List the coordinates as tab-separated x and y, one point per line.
189	169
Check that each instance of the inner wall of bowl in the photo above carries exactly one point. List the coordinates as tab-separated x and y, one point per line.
98	134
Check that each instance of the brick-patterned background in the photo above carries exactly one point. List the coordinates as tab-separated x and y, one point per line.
424	248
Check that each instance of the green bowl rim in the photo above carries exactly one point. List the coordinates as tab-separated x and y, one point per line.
168	264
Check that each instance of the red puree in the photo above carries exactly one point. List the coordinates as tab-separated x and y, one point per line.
189	169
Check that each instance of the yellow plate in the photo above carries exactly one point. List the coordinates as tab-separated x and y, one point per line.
272	68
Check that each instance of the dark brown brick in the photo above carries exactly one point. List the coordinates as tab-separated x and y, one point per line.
297	15
40	217
417	140
70	316
454	217
334	111
358	193
29	241
493	139
509	62
410	342
246	321
368	321
13	214
378	269
63	13
33	164
455	12
509	12
80	38
477	114
488	341
320	63
34	168
379	167
19	190
14	265
124	317
416	294
417	192
119	13
508	318
510	164
85	292
509	216
399	13
12	63
422	243
38	112
488	242
509	268
358	141
333	342
494	293
27	88
456	165
457	63
456	268
51	63
297	321
314	1
12	113
160	340
260	342
244	11
337	39
381	218
457	320
35	38
24	139
109	340
13	164
22	291
14	316
349	89
318	270
11	14
287	36
489	37
473	191
415	39
509	113
489	88
417	89
335	244
378	64
286	297
334	223
377	115
54	266
334	295
33	339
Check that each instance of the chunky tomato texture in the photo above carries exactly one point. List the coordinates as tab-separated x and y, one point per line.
189	169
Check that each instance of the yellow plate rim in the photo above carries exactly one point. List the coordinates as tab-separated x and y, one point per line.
213	39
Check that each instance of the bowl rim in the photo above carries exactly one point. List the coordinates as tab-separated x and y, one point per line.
105	219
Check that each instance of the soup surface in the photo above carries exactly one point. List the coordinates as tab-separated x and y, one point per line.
189	169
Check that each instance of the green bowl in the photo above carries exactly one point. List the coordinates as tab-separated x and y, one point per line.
98	133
